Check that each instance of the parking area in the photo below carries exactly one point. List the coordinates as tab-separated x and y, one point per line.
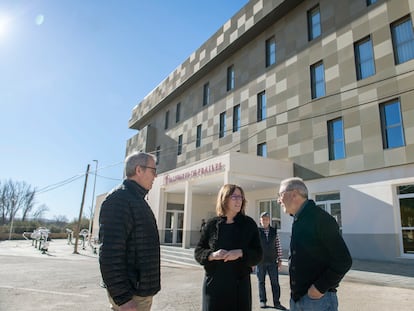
62	281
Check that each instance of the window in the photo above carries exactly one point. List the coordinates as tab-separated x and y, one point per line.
180	145
270	51
391	125
369	2
178	113
317	80
206	94
314	23
157	155
364	58
222	130
330	202
403	40
198	139
230	78
262	150
167	116
273	208
236	118
336	139
261	106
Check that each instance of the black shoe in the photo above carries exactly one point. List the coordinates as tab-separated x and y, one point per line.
280	307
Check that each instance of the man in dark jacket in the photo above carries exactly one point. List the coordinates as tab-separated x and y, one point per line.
271	262
130	253
319	257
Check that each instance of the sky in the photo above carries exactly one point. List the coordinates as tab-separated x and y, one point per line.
71	71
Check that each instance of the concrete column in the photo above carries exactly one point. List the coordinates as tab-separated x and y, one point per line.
188	206
161	213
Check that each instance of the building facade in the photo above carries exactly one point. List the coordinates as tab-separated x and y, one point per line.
322	90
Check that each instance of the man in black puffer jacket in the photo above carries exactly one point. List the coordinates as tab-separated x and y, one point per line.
130	253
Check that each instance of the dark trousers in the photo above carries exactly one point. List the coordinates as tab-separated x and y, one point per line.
227	293
272	270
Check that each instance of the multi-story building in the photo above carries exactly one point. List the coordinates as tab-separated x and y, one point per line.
322	90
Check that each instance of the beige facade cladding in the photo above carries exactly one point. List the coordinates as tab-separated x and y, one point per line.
295	127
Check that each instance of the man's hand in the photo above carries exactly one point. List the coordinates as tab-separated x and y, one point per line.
314	293
128	306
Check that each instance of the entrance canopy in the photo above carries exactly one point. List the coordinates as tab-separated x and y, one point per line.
206	177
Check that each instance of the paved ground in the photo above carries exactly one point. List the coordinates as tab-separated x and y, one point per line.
63	281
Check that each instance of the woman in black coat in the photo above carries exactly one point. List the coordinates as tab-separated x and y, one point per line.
229	246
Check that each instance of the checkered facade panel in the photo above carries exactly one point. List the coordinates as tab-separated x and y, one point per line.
295	126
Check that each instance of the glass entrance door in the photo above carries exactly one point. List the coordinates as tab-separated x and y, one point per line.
406	200
174	223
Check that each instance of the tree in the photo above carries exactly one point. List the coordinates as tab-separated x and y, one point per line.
15	196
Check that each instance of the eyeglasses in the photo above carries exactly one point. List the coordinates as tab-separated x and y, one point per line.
235	197
280	194
153	168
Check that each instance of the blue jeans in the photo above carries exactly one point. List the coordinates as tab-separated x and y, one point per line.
272	270
329	302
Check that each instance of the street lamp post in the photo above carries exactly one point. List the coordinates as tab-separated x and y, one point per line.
93	198
12	218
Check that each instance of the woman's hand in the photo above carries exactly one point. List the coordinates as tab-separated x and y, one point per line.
233	255
217	255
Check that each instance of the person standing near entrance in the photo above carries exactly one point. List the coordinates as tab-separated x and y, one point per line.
319	257
271	263
228	248
130	253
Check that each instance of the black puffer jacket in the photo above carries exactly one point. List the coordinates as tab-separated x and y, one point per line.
130	253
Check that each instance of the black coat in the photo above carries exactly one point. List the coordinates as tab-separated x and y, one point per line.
318	253
130	253
227	284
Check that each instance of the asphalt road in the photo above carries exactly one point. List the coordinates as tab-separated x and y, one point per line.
63	281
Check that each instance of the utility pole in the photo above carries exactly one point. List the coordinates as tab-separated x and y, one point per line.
92	209
13	200
75	251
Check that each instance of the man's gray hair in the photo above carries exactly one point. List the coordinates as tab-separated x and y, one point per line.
136	159
295	183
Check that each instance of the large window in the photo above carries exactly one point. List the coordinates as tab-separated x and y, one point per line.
167	117
364	58
262	150
206	94
330	202
178	113
180	145
336	139
406	201
222	130
273	208
403	40
314	23
236	118
198	139
230	78
392	125
270	51
369	2
261	106
317	80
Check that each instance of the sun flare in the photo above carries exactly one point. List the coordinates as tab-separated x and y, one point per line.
4	25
